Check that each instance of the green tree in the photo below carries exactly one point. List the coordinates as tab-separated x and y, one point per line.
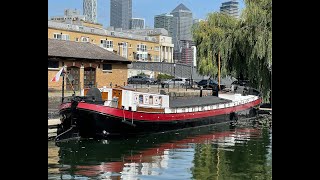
245	45
213	39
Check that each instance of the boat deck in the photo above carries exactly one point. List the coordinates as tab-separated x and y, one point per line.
196	101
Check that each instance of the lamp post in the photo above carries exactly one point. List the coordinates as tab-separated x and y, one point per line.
174	74
62	87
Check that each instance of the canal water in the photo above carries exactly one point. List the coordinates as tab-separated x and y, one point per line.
212	152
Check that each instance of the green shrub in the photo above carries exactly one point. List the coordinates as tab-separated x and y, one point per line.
164	76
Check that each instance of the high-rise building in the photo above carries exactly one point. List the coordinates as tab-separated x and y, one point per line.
90	10
178	24
185	54
182	23
120	13
231	8
137	23
164	21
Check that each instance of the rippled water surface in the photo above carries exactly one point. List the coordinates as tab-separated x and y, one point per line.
213	152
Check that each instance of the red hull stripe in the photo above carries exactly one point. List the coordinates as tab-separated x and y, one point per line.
128	115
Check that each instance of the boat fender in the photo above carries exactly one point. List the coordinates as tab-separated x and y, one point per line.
233	116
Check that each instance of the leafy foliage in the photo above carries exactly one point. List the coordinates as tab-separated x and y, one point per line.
164	76
244	45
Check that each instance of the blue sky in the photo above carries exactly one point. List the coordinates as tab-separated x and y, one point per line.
146	9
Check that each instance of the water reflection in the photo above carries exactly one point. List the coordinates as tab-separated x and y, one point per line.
214	152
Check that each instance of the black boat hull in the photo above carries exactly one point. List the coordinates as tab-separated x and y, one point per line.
92	124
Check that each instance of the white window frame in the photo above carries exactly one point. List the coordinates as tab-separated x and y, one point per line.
66	37
85	39
142	47
60	36
110	44
125	49
142	56
106	44
156	58
55	36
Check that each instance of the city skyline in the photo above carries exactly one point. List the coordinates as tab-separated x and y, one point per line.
140	8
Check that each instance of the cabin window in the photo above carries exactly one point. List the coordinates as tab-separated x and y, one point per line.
53	64
107	67
140	99
151	100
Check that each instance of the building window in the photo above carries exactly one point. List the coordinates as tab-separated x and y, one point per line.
77	39
53	64
125	49
65	37
156	58
142	47
130	45
112	33
61	36
107	67
57	36
142	57
80	28
84	39
156	48
106	43
92	30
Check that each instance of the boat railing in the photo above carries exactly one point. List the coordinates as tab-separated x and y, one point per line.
213	107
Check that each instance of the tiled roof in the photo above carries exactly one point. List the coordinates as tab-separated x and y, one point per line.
83	50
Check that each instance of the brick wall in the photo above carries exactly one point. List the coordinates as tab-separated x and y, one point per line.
118	75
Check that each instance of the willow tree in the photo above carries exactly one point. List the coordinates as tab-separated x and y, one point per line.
253	43
245	45
213	39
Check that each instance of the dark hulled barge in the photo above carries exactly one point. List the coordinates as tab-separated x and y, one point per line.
109	112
